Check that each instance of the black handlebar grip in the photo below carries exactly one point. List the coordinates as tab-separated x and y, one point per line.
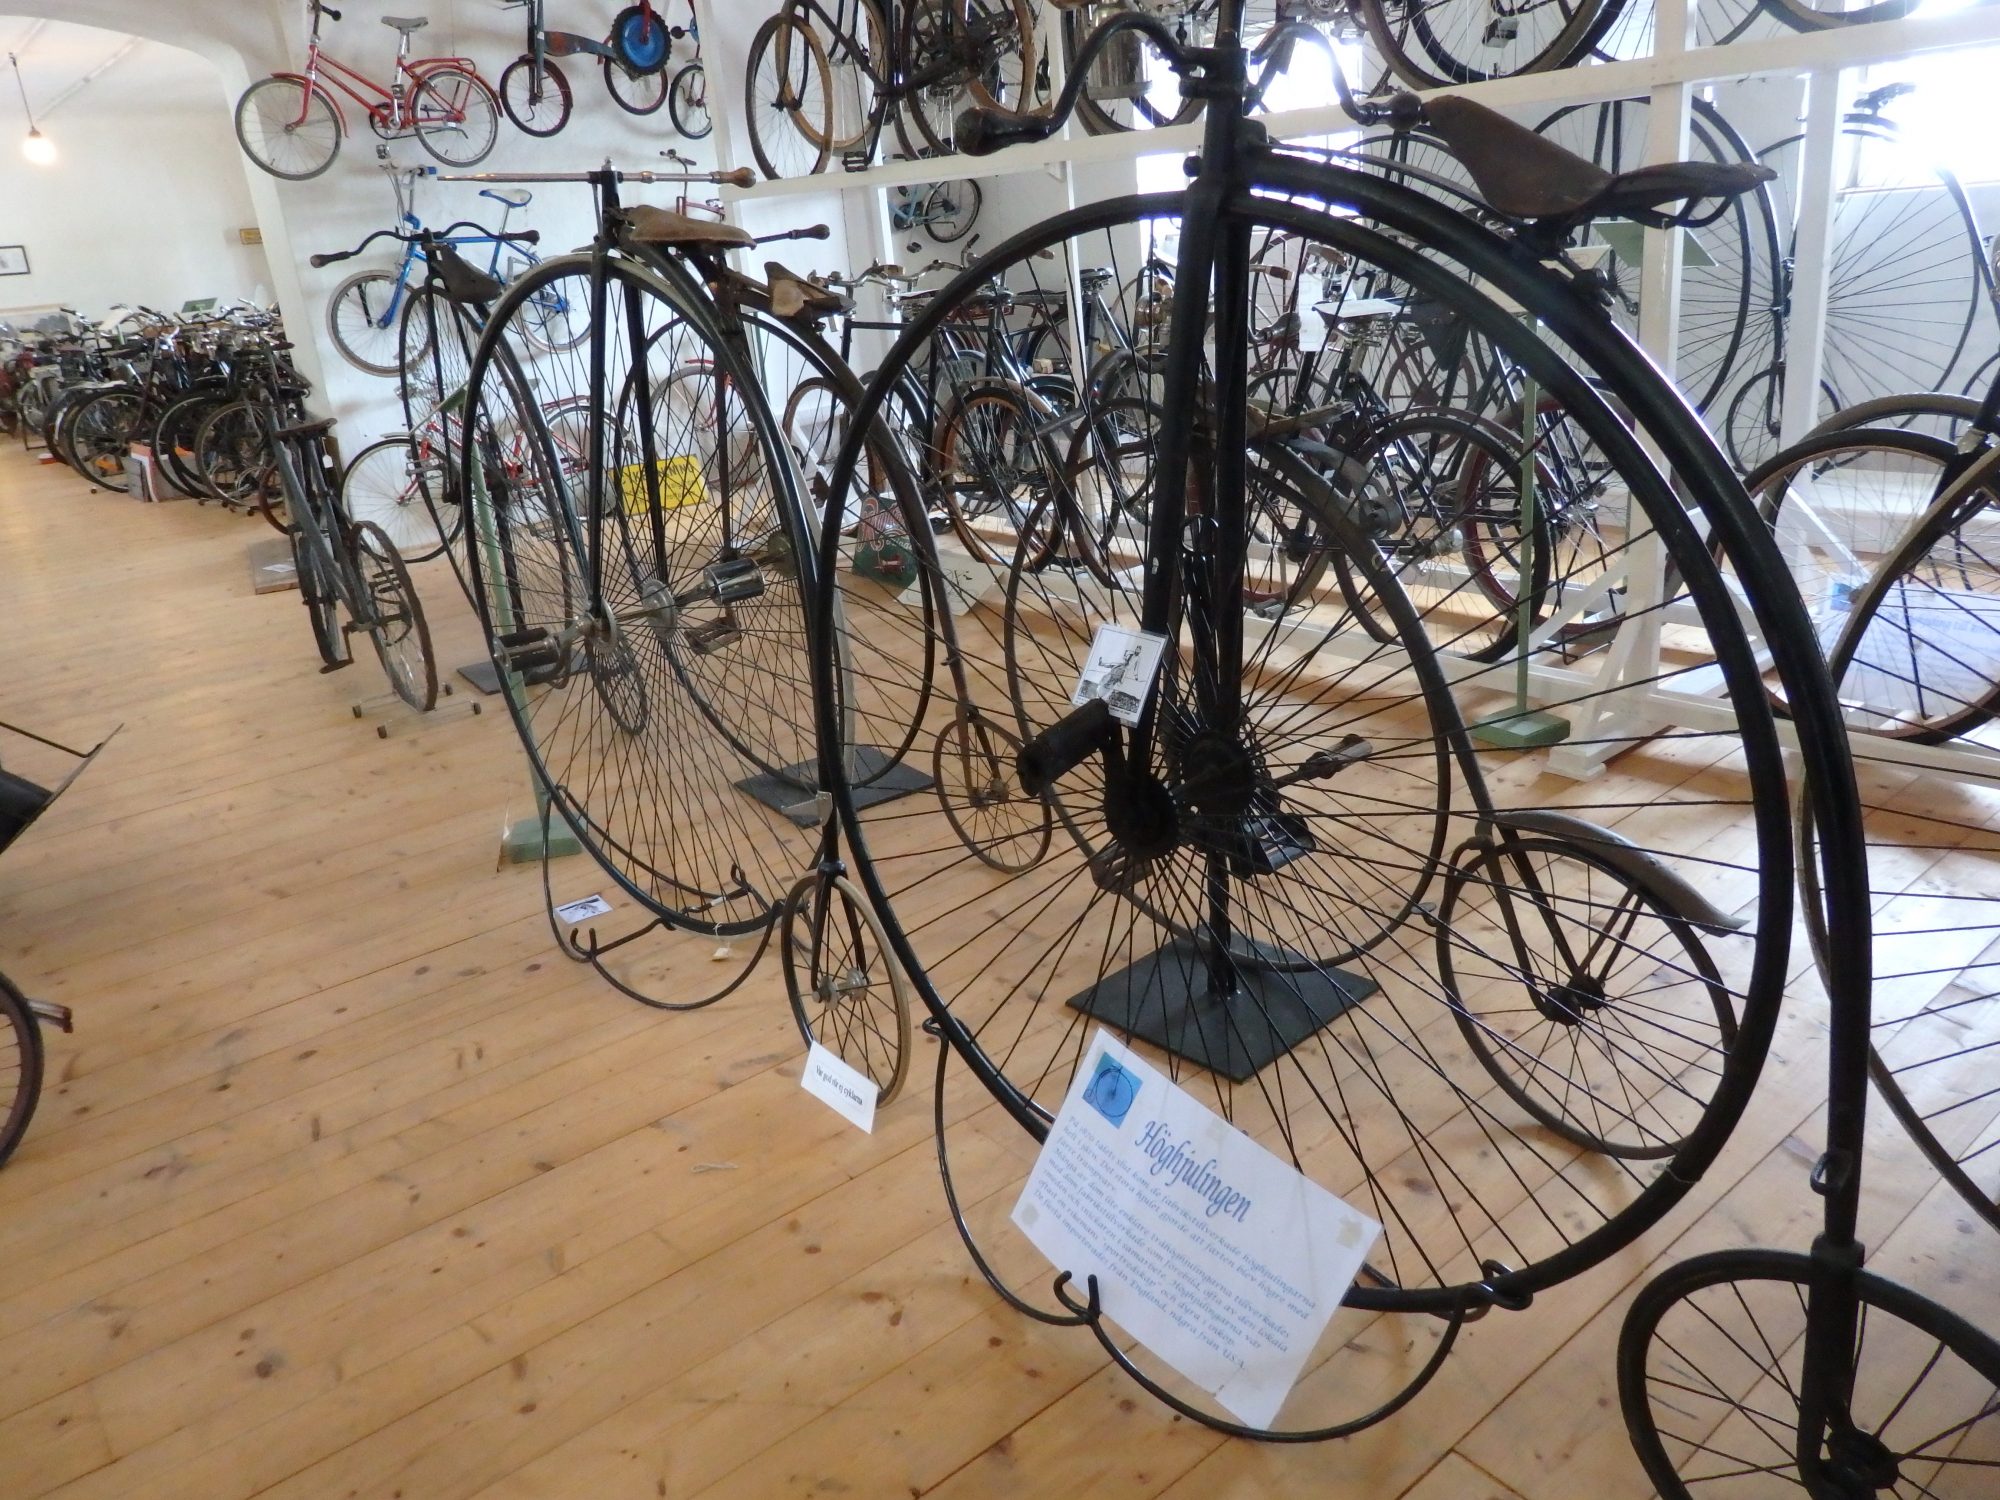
328	10
316	261
1065	745
814	232
528	236
979	131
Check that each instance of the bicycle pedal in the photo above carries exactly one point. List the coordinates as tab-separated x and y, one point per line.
1501	30
335	666
734	580
52	1014
711	636
855	160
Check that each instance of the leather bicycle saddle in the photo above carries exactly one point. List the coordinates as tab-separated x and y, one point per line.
647	225
464	282
1527	176
792	294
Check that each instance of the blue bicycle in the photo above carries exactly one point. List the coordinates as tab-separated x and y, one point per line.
364	315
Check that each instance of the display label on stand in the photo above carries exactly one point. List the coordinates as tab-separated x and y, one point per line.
847	1091
1218	1256
573	912
1120	669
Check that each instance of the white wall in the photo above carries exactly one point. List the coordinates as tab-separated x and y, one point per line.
158	223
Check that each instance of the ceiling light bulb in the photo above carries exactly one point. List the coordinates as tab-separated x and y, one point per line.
38	148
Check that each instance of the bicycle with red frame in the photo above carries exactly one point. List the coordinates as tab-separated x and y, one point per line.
291	125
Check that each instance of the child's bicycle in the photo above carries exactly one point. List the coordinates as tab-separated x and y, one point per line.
536	93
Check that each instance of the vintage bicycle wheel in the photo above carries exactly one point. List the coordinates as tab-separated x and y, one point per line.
456	117
640	568
984	52
687	102
363	317
536	108
1728	278
21	1062
386	484
788	98
317	594
1711	1370
950	209
847	993
101	434
993	466
1332	814
634	91
286	129
1917	657
1431	43
394	616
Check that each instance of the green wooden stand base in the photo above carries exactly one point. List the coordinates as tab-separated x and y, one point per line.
1522	729
524	843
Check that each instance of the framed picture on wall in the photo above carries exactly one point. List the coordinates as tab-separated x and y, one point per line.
13	260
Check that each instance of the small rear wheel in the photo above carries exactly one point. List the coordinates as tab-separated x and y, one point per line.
20	1067
847	993
635	93
687	102
1711	1364
395	617
385	485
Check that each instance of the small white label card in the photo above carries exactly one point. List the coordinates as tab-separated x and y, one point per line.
848	1091
1120	670
1218	1256
574	912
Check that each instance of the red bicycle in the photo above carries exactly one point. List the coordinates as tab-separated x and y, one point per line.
291	125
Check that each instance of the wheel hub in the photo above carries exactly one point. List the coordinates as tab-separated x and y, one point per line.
1568	1004
1862	1463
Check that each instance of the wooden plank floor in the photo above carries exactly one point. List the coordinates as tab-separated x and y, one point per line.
349	1185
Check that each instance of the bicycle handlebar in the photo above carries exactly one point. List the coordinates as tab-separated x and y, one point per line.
326	10
515	236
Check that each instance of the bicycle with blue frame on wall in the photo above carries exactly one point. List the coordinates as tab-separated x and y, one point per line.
364	314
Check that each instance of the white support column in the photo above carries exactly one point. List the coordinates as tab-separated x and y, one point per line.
1621	712
1805	336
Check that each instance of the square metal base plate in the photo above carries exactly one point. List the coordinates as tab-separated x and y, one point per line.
791	791
1165	999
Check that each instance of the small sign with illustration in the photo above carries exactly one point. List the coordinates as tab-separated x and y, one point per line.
1120	670
574	912
1220	1257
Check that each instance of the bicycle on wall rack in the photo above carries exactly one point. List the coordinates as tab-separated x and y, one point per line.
946	211
1292	870
291	125
536	93
364	315
823	80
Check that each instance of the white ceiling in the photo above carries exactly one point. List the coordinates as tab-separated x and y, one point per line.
152	76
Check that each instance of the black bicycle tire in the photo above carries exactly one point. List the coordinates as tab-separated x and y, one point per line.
806	902
481	90
814	48
332	115
1479	252
17	1112
638	103
1698	1273
551	75
85	459
689	78
963	226
317	594
1430	64
365	538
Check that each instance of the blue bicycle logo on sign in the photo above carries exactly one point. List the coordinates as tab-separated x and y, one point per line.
1111	1090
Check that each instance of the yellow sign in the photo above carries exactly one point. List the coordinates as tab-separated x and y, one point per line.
249	236
680	479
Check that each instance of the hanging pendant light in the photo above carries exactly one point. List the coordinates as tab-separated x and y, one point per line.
38	148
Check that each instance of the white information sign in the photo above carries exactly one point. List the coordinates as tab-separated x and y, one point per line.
573	912
847	1091
1120	670
1218	1256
